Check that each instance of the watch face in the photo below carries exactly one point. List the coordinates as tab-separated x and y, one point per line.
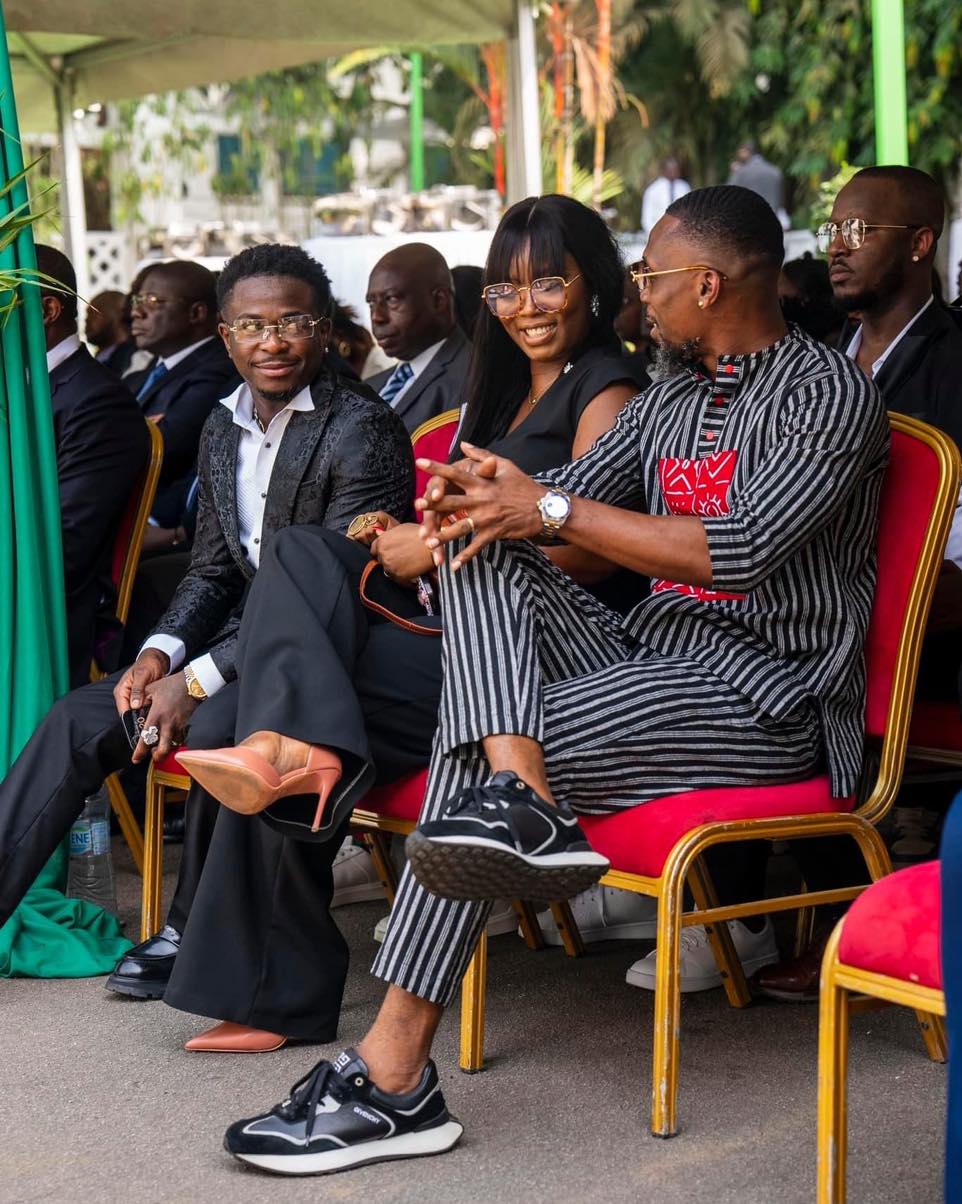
556	506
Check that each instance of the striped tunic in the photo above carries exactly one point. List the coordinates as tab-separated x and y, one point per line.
781	455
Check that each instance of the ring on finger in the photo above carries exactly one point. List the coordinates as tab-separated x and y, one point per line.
150	736
470	521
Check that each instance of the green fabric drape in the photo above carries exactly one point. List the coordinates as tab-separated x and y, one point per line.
49	936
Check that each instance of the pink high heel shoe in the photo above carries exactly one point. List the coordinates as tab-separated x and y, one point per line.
246	782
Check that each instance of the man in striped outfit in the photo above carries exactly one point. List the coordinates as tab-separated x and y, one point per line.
745	484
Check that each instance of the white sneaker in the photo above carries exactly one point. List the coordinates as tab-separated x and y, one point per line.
503	919
698	969
355	878
604	913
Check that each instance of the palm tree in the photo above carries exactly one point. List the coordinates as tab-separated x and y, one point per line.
13	220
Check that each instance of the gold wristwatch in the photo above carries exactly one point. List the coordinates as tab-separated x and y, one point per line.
194	688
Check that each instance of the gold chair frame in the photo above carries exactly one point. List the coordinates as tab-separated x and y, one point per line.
684	865
845	990
115	792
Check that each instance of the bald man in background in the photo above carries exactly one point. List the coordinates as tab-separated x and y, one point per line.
410	294
174	316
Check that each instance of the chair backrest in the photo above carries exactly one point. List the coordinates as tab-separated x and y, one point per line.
919	496
130	535
432	440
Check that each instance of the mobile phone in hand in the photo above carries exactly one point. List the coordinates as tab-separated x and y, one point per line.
133	722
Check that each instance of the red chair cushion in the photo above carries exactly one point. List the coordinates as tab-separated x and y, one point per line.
936	725
639	839
435	445
895	927
170	764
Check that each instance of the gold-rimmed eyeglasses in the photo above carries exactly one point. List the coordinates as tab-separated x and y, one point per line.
293	329
548	293
642	278
852	230
151	302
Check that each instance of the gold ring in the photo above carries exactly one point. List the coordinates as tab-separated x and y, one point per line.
470	521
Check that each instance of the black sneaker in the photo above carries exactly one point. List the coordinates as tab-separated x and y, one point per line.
502	841
336	1119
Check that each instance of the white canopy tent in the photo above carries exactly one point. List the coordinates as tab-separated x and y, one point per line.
67	54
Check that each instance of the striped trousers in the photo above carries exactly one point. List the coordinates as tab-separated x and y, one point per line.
528	652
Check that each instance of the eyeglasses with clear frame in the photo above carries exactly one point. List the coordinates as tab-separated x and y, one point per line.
852	230
151	302
293	329
642	278
549	294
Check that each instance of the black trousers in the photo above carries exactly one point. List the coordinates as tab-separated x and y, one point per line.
260	946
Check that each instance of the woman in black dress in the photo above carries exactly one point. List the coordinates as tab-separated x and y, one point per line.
318	668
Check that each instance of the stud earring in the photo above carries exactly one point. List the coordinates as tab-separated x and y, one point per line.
915	258
595	305
701	304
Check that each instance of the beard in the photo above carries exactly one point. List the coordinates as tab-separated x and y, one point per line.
881	293
672	358
279	397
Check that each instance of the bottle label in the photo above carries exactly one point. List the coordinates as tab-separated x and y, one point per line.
81	839
100	836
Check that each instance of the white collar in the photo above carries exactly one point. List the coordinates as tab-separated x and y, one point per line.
241	405
171	361
423	358
853	347
62	351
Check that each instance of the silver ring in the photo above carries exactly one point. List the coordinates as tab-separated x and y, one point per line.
470	521
150	736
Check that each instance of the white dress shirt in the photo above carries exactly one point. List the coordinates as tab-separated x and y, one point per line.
63	351
852	350
171	361
256	453
658	196
418	364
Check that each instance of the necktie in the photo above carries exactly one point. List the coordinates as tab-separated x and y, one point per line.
158	372
396	382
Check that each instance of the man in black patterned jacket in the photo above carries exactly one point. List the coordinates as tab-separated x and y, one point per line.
293	444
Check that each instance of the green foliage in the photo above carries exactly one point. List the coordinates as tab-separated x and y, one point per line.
828	191
12	223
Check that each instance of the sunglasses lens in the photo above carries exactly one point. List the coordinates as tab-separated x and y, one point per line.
548	293
503	300
853	233
824	235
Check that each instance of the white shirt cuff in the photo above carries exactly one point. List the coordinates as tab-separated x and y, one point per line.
170	644
207	673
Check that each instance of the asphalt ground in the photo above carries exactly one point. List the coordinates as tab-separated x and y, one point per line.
99	1102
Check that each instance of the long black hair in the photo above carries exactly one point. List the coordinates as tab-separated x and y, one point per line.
543	230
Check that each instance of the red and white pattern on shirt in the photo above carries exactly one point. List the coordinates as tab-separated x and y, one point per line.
697	487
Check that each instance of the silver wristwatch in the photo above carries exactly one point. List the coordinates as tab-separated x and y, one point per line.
555	508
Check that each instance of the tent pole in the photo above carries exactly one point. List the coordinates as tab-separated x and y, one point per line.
72	204
416	168
888	59
524	127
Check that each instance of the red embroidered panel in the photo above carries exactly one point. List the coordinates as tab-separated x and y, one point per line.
697	487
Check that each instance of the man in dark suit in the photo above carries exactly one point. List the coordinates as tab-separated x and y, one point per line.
411	297
293	444
174	316
881	241
102	448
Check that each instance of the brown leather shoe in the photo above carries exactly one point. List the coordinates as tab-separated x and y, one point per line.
235	1038
795	980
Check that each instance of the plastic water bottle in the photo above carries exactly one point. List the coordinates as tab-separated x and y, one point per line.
91	873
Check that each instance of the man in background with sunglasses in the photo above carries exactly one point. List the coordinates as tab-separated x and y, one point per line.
294	443
880	242
174	316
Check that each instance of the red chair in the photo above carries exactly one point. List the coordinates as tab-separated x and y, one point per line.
657	849
126	560
432	439
887	949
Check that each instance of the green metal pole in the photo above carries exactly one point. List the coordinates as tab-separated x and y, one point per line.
417	123
888	58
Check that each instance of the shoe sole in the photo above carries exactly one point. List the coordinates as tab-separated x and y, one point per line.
437	1140
692	986
465	868
134	990
363	892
